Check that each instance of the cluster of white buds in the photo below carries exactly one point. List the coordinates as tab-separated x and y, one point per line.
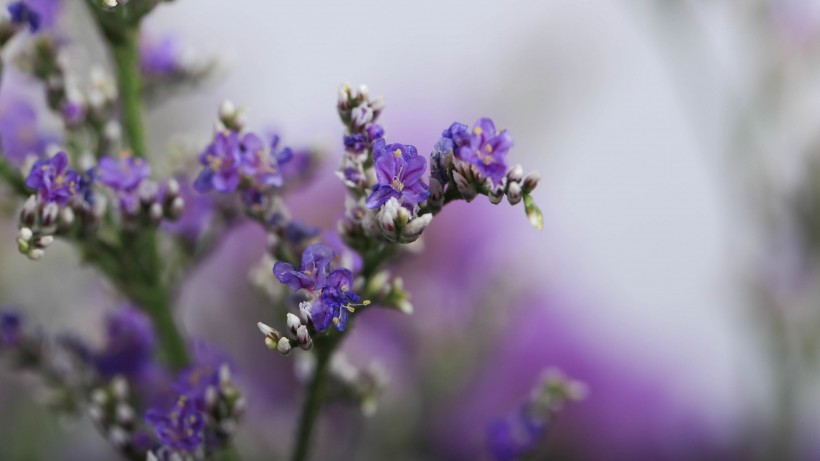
112	410
399	225
39	222
387	292
300	336
356	108
224	404
153	204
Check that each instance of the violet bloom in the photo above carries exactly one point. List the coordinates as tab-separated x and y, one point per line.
517	436
159	58
297	232
195	380
355	143
316	261
483	147
18	129
130	344
53	180
222	159
261	166
336	300
399	169
10	329
22	14
183	428
124	177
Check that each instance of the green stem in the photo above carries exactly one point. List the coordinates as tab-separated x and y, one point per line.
125	51
313	400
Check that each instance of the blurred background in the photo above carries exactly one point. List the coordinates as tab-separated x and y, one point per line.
676	274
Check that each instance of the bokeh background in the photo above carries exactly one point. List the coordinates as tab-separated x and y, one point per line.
672	276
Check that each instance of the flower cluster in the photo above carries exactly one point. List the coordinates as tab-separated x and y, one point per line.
240	161
67	201
329	293
519	436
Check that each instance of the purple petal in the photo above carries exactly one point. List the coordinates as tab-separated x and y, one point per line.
380	196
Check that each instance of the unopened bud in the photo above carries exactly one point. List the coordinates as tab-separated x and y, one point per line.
465	187
67	217
293	322
36	254
303	338
155	212
172	187
283	346
49	215
25	234
515	174
28	214
533	213
530	182
514	194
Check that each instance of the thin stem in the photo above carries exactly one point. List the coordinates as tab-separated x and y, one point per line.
125	51
313	401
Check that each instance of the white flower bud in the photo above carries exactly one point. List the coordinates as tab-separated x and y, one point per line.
119	388
67	216
172	187
25	234
305	308
303	337
227	110
49	214
283	346
124	412
514	194
530	182
515	174
293	322
268	331
155	212
36	254
117	436
413	230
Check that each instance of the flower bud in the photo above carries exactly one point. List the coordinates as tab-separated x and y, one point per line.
467	190
48	217
66	217
514	194
25	234
533	213
283	346
515	174
413	230
496	194
303	337
28	214
36	254
155	212
530	182
293	322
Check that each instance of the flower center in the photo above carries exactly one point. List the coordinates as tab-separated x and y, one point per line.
397	152
397	184
214	162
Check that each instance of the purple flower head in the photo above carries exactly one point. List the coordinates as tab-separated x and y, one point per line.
182	428
515	437
355	143
457	133
399	169
123	174
483	147
261	166
73	113
195	380
222	160
130	344
316	261
297	232
159	58
53	180
374	132
10	329
18	129
21	13
438	159
337	296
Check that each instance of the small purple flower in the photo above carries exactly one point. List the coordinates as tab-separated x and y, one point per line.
483	147
399	169
124	177
73	113
374	131
335	301
316	261
355	143
517	436
19	132
261	166
297	232
130	344
222	160
10	329
183	428
53	180
21	13
159	58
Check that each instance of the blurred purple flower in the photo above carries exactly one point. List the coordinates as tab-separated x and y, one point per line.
222	160
516	436
123	176
130	344
22	14
159	58
181	428
10	328
19	134
53	180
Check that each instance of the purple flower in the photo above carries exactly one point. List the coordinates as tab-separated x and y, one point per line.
130	344
374	132
124	177
297	232
516	436
356	142
18	129
53	180
183	428
10	329
483	147
22	14
316	261
261	166
399	169
222	159
337	296
159	58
